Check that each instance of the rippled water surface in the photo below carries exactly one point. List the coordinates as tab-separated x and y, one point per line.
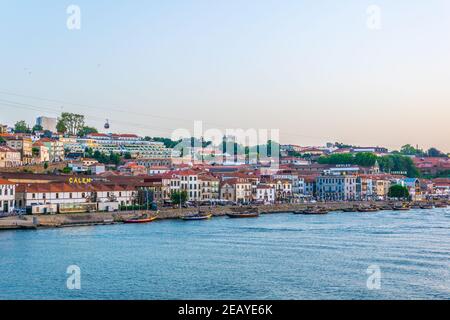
282	256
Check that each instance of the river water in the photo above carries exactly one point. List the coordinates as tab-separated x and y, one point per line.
282	256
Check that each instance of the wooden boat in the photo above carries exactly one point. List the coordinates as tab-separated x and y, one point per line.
245	214
441	205
143	219
197	216
427	206
368	209
354	209
315	211
401	208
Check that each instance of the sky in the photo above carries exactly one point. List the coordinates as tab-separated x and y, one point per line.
314	69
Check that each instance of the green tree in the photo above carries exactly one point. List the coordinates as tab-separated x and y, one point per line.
365	159
21	127
70	123
433	152
178	197
36	128
398	163
399	192
409	150
45	165
2	141
67	170
127	156
85	130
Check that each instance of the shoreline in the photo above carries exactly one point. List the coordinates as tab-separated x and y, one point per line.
35	222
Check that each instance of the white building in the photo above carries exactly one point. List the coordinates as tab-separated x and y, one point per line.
136	146
66	197
265	193
190	183
47	123
7	196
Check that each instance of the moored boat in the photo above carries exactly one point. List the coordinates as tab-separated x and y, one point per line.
315	211
441	205
427	206
368	209
142	219
197	216
403	207
245	214
353	209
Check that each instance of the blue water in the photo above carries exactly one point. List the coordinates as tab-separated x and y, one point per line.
281	256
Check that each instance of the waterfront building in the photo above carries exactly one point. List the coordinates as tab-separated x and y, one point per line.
7	196
413	185
381	186
336	187
209	187
309	186
47	123
242	189
190	183
227	191
297	182
365	187
9	157
265	193
66	197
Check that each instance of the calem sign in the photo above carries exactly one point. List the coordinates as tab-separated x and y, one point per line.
80	180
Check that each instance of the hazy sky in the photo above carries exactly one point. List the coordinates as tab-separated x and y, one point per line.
312	69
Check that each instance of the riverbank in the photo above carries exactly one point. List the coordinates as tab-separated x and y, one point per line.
107	218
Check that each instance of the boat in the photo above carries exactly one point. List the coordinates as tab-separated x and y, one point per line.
427	206
401	208
142	219
314	211
245	214
353	209
197	216
368	209
441	205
